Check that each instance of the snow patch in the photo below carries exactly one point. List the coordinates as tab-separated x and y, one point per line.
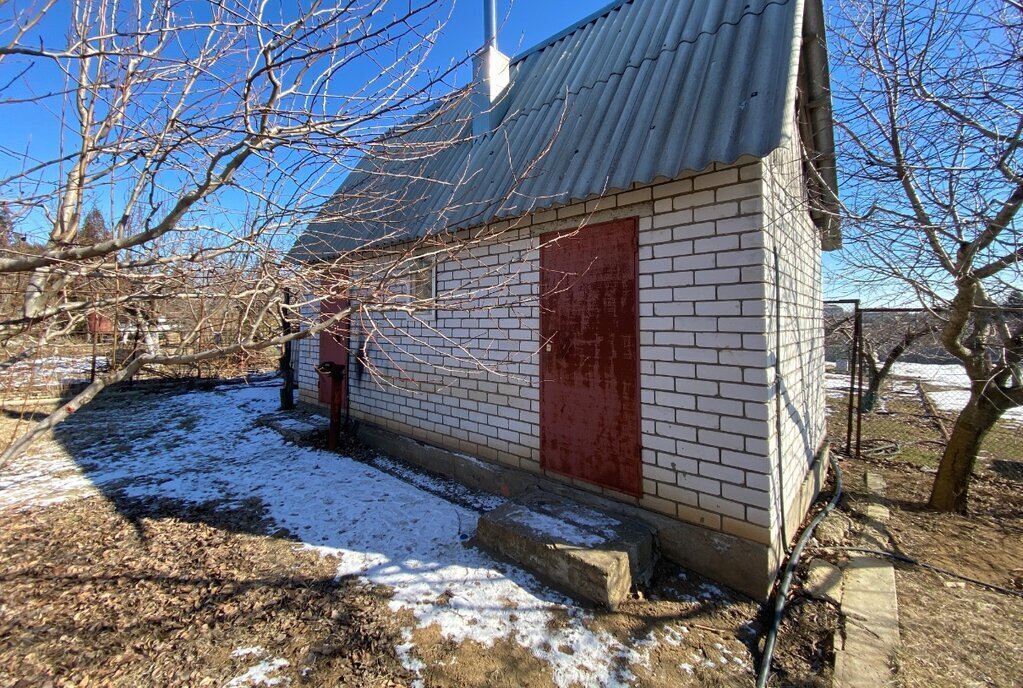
247	651
449	489
299	425
42	478
51	370
260	675
948	386
556	528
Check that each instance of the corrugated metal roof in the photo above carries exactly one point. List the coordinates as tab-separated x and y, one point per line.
644	89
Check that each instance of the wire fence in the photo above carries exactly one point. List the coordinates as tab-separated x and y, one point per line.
894	391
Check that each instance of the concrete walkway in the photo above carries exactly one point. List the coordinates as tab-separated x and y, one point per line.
870	610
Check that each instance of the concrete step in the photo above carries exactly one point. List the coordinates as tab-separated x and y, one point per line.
300	427
580	550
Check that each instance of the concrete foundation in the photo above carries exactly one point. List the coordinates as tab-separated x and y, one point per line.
744	565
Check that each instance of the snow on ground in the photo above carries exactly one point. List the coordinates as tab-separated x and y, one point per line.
951	376
837	385
203	446
446	489
46	476
557	529
50	370
260	674
948	386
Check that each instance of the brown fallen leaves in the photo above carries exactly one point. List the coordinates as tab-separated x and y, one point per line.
110	592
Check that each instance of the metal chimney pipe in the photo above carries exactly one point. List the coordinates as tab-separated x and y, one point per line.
490	23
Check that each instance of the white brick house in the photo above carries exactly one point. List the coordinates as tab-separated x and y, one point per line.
723	203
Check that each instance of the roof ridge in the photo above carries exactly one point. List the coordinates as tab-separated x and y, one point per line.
569	30
562	96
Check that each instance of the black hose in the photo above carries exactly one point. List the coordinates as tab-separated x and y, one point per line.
782	592
922	564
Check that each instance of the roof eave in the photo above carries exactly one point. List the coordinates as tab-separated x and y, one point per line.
814	51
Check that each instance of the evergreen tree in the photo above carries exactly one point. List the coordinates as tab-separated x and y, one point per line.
7	238
94	228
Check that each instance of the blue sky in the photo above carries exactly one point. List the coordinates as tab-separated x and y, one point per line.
522	23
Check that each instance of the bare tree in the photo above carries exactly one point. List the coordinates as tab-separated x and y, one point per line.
930	108
210	134
886	341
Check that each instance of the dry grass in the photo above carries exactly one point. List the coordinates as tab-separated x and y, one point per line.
953	634
98	593
957	637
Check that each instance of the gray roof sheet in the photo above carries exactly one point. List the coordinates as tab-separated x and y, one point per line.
644	89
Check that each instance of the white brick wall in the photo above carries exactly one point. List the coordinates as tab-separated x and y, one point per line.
795	330
707	348
307	355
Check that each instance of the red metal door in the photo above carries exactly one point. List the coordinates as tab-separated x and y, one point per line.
333	347
589	362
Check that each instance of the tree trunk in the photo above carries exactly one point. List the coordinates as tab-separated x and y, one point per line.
952	484
870	396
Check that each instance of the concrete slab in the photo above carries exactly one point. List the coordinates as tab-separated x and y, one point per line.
874	533
296	426
585	552
870	609
875	482
746	566
823	581
878	513
871	638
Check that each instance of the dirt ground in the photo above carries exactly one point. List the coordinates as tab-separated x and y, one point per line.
955	633
105	588
686	631
152	595
155	594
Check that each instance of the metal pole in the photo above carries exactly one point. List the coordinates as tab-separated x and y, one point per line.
336	398
853	358
287	366
95	341
334	372
859	384
490	23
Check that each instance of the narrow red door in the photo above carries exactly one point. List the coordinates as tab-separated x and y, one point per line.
589	362
333	346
